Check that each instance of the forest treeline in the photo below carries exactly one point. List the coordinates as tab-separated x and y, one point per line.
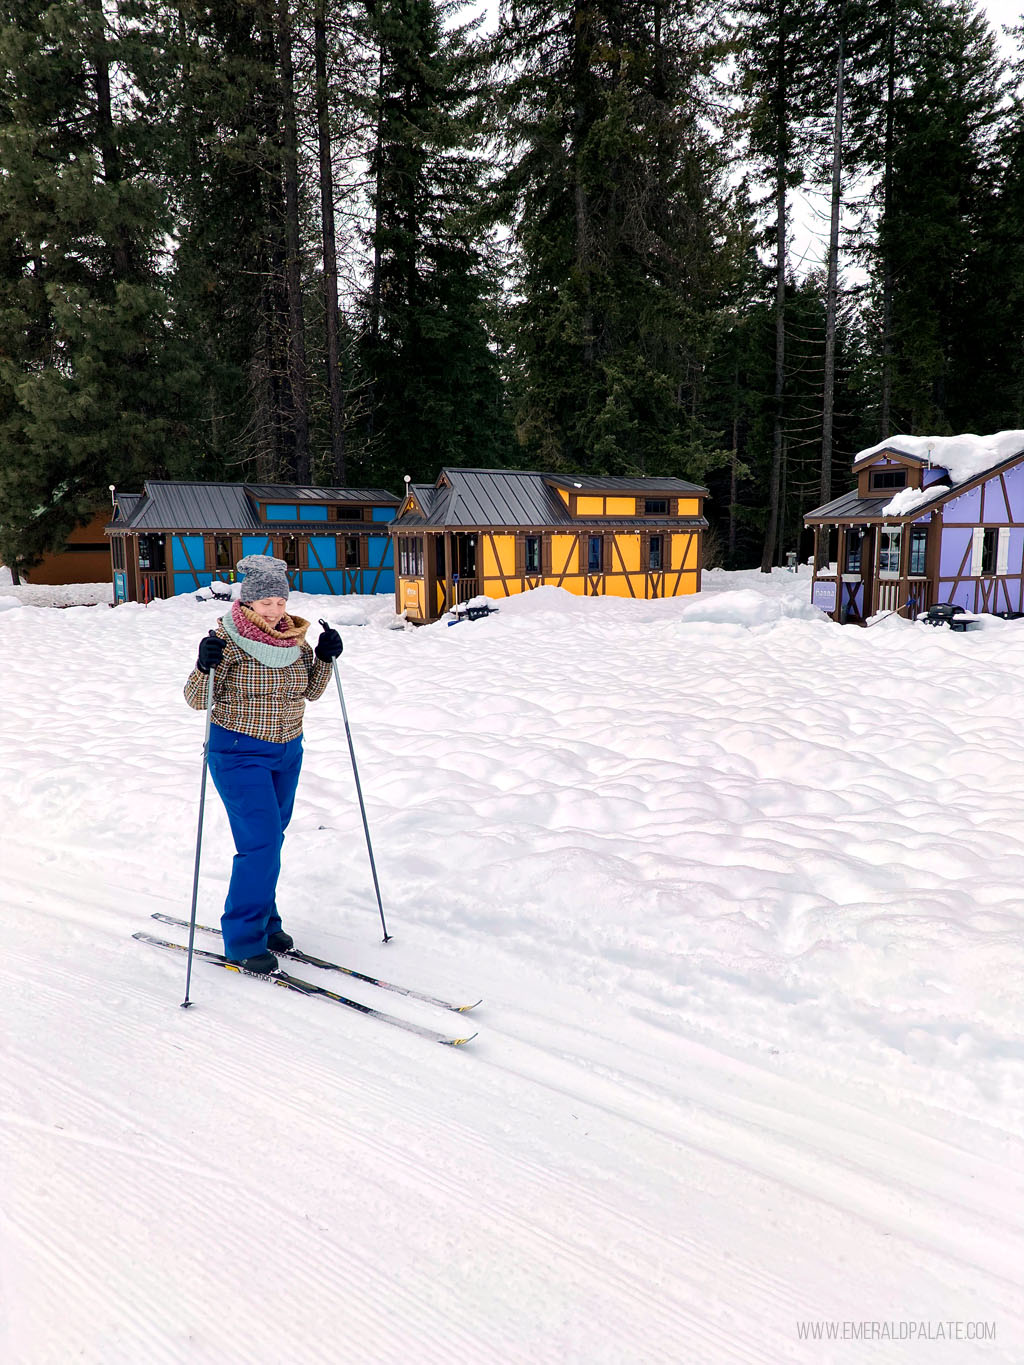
342	241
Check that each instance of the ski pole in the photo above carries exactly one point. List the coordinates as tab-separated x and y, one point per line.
359	790
199	832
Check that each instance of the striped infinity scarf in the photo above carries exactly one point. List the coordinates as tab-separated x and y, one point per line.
290	630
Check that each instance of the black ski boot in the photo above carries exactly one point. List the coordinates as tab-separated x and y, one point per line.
260	965
280	942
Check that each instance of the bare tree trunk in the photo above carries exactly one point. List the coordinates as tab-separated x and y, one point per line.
378	218
885	409
105	133
781	160
293	254
582	42
771	528
832	289
330	244
733	479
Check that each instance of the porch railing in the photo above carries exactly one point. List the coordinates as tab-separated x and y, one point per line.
463	591
895	593
152	585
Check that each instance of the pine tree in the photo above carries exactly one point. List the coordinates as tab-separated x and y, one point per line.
932	143
784	45
435	384
88	386
624	231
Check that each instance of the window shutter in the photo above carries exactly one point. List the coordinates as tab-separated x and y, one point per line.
977	547
607	542
520	556
1003	551
545	556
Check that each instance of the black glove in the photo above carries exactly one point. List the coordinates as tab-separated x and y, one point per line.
329	645
211	652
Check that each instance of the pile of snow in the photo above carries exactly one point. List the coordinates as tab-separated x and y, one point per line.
743	900
910	499
964	457
55	595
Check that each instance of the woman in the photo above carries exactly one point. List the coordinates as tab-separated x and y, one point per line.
264	672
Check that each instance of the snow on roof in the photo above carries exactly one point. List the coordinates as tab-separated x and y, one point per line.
909	499
963	457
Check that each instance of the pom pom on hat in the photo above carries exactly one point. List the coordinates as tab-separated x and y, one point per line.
263	577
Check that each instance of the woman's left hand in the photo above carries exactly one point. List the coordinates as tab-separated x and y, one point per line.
329	646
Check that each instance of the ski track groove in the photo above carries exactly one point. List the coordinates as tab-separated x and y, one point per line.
549	1243
771	1289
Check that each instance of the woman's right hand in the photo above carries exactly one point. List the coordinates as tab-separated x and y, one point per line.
211	652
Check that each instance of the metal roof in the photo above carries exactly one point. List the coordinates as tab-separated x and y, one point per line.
640	483
289	492
849	506
174	506
171	505
489	497
514	497
124	505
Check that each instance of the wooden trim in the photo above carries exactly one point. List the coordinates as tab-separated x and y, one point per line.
575	549
497	561
191	567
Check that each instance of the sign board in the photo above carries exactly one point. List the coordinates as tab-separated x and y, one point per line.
823	595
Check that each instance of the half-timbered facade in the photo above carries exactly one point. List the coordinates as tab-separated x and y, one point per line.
932	520
496	532
176	537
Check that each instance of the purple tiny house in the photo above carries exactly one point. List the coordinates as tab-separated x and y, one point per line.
932	519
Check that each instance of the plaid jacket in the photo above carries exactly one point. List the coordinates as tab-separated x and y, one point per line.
266	703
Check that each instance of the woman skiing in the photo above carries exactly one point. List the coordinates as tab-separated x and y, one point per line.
264	673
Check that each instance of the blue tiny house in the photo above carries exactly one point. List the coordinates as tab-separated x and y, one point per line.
176	537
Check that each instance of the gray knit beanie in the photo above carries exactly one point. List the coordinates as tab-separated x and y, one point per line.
264	577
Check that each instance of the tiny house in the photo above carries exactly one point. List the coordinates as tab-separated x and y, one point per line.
496	532
932	519
176	537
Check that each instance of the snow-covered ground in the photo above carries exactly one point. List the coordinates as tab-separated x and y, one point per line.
741	889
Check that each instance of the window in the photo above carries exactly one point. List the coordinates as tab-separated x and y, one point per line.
117	551
988	551
594	556
654	554
854	548
151	553
656	507
532	559
351	552
348	513
290	552
887	478
889	552
410	556
918	551
222	552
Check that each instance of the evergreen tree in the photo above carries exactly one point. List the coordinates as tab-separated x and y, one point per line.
436	395
624	230
784	45
89	391
932	143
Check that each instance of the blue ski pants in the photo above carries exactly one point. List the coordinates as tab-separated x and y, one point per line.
256	781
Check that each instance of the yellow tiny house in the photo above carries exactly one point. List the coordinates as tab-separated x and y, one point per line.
497	532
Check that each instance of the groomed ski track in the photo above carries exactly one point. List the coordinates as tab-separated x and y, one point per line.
571	1191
